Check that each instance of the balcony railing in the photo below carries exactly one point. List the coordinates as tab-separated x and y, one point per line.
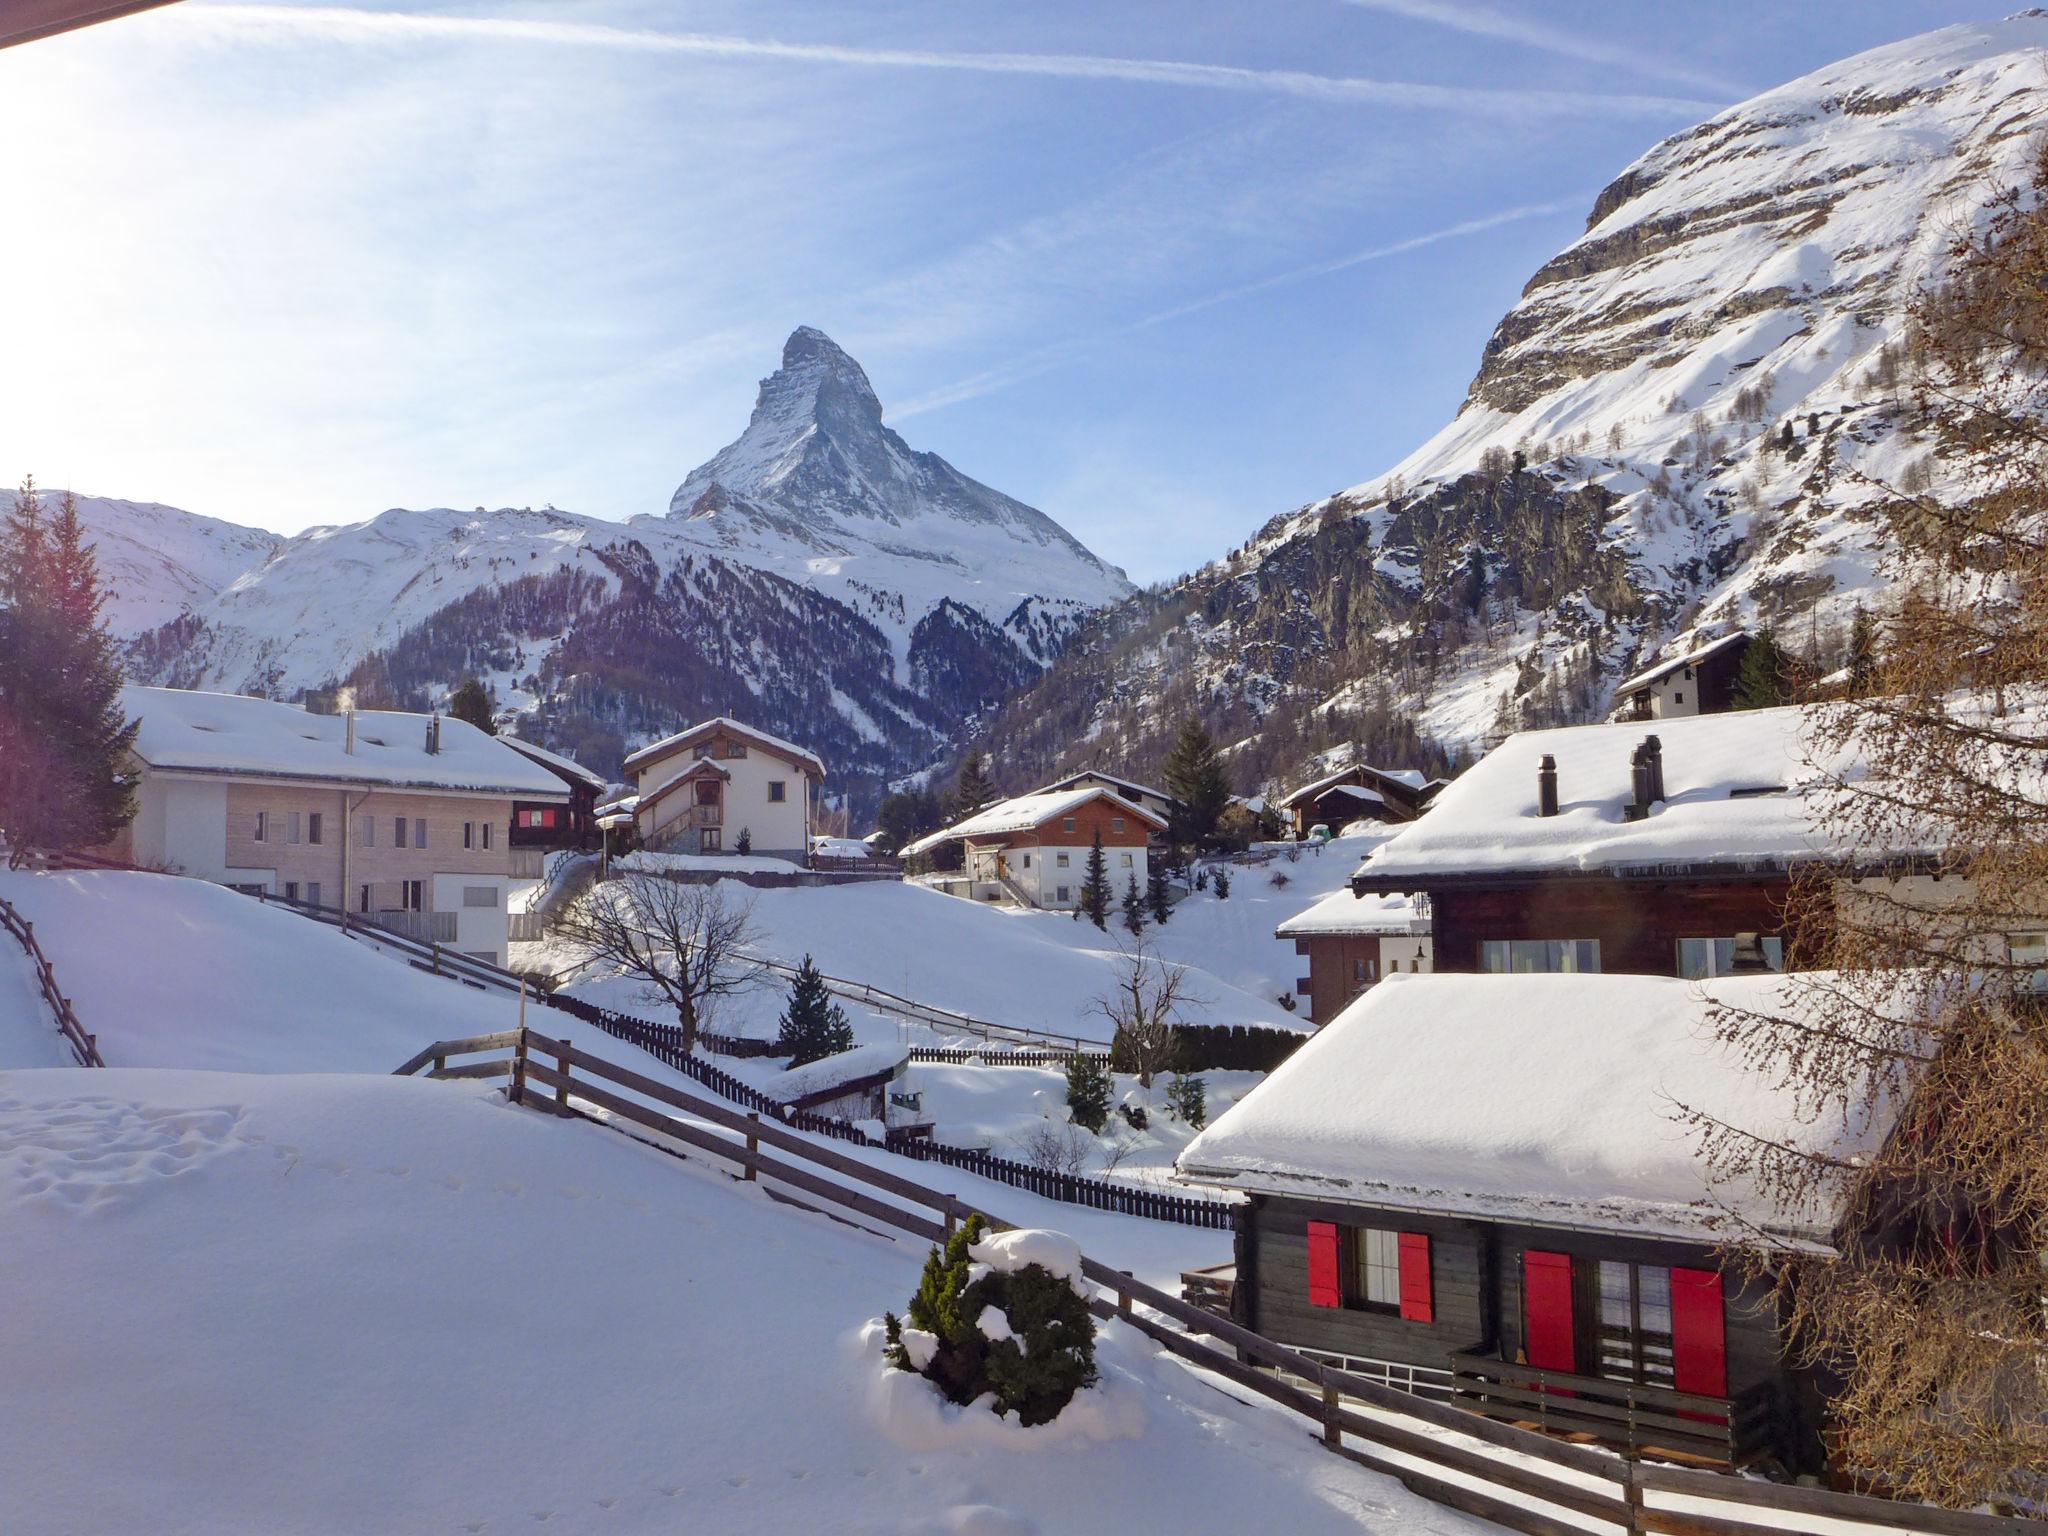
1632	1416
703	816
428	927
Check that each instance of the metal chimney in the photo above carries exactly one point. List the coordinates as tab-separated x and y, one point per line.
1653	755
1546	786
348	739
1639	782
434	734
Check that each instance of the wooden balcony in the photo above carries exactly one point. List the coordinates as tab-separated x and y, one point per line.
701	816
1632	1417
427	927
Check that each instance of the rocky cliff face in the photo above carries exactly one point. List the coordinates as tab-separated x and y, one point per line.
1619	481
817	576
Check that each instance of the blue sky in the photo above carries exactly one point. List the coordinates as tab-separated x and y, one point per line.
1163	270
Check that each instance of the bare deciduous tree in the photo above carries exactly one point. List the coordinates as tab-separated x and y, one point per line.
685	941
1925	994
1057	1148
1144	1008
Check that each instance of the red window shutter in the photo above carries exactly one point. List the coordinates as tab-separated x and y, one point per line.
1418	1296
1699	1334
1547	1303
1323	1287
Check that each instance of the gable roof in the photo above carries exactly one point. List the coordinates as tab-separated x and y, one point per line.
564	767
1405	782
227	733
1565	1111
1689	659
703	767
787	750
1743	792
1023	812
828	1077
1072	780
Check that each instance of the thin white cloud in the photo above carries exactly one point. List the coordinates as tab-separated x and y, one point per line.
1479	21
346	24
1045	359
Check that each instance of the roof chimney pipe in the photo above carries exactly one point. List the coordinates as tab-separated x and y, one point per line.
434	734
348	739
1653	755
1639	782
1546	786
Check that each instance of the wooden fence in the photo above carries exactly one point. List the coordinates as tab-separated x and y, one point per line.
1072	1188
1501	1472
85	1048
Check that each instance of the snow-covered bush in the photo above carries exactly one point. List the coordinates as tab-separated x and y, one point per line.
1001	1317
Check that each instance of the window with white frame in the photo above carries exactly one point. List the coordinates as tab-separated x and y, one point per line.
1064	860
1116	823
1379	1267
1127	861
1533	956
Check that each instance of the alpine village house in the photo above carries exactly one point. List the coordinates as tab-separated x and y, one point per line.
700	790
1469	1183
404	819
1033	849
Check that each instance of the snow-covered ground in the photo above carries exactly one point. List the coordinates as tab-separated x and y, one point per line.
310	1304
1041	970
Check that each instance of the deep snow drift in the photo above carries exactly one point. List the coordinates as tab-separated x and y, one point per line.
348	1304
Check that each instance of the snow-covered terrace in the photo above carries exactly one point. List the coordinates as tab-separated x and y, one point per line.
227	733
1741	790
1568	1108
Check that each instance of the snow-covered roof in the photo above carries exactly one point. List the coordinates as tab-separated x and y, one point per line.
1074	779
1741	789
730	726
1341	913
1023	812
555	760
1565	1109
1690	658
1406	777
861	1064
228	733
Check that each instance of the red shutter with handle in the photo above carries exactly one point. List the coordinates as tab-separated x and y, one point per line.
1699	1333
1547	1306
1323	1287
1418	1300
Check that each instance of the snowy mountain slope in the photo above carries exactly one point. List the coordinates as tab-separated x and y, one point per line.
1745	277
157	561
817	574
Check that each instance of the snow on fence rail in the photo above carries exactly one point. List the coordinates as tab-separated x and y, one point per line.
85	1048
1501	1472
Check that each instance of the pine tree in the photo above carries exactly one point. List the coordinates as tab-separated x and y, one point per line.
813	1026
1133	906
1089	1087
1157	897
471	702
1196	779
1188	1098
1222	883
1760	680
1095	886
744	843
64	738
972	787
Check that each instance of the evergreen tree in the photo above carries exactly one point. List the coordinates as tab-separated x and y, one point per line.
1133	906
1222	883
1760	680
470	702
1188	1098
1089	1087
1862	663
972	787
1195	777
1157	896
744	843
64	739
813	1026
1095	886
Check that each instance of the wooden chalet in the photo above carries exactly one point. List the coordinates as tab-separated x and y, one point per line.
552	825
1144	796
1612	848
1700	682
1535	1242
1033	850
1351	944
1360	792
866	1083
700	789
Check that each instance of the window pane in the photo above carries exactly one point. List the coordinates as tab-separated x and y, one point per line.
1379	1267
1695	958
1493	955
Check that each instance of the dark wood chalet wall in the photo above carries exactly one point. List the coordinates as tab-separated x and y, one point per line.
1638	922
1331	965
1280	1308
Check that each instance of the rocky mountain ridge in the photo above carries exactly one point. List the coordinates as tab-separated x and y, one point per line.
1688	422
